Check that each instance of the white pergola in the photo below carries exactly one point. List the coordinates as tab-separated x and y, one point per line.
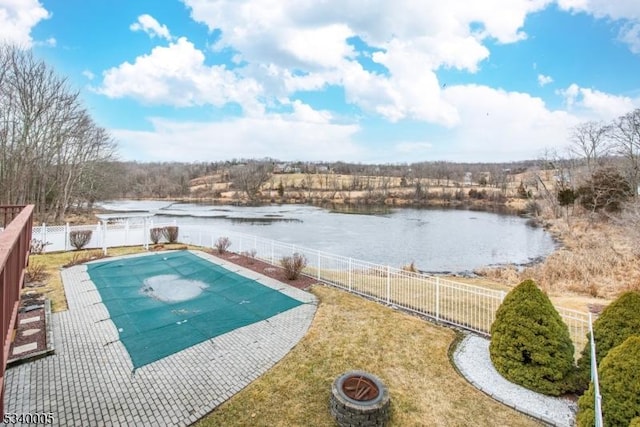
124	216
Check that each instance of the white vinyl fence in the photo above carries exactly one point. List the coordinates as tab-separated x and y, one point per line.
466	306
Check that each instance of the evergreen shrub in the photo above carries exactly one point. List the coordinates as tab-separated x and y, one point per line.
617	322
619	375
530	344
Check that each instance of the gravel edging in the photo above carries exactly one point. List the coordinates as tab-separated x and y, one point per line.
471	357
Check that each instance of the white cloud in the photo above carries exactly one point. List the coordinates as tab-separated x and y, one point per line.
50	42
595	105
630	34
88	74
626	11
412	91
282	48
544	80
412	39
324	47
283	136
618	9
149	25
495	125
304	113
503	126
17	19
177	75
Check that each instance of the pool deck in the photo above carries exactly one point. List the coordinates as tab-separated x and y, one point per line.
90	379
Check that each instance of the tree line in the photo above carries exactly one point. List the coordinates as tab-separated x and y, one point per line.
50	148
53	155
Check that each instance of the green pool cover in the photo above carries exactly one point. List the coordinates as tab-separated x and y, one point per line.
166	302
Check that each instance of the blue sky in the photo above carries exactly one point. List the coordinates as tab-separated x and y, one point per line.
395	81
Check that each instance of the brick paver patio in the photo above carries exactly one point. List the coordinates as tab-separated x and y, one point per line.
90	379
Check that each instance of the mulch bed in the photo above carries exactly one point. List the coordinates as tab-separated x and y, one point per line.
30	302
275	272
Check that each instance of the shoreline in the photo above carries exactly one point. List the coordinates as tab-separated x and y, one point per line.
557	279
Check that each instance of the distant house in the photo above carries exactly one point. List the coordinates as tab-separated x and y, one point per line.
279	168
286	168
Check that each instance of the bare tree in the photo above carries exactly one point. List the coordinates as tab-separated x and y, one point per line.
46	137
250	176
590	140
626	134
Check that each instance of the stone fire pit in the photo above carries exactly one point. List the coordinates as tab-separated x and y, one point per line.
359	399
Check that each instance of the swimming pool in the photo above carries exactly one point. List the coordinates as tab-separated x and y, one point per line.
168	301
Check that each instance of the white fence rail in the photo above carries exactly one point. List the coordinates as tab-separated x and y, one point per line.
597	397
458	304
466	306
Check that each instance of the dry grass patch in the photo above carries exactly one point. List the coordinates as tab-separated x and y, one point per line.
597	262
409	354
470	302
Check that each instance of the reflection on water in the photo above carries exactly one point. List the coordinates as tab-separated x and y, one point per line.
262	221
437	240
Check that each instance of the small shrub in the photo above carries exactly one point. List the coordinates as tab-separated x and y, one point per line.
35	272
619	376
618	321
566	196
37	246
80	238
170	233
155	234
250	255
222	244
530	344
293	265
479	195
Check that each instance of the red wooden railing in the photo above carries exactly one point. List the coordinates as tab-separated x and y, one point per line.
15	241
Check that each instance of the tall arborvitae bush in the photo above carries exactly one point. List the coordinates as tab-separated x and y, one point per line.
530	344
619	375
617	322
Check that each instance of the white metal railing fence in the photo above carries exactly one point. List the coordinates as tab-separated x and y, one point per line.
466	306
458	304
597	397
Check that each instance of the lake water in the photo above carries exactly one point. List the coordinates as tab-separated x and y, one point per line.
437	240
